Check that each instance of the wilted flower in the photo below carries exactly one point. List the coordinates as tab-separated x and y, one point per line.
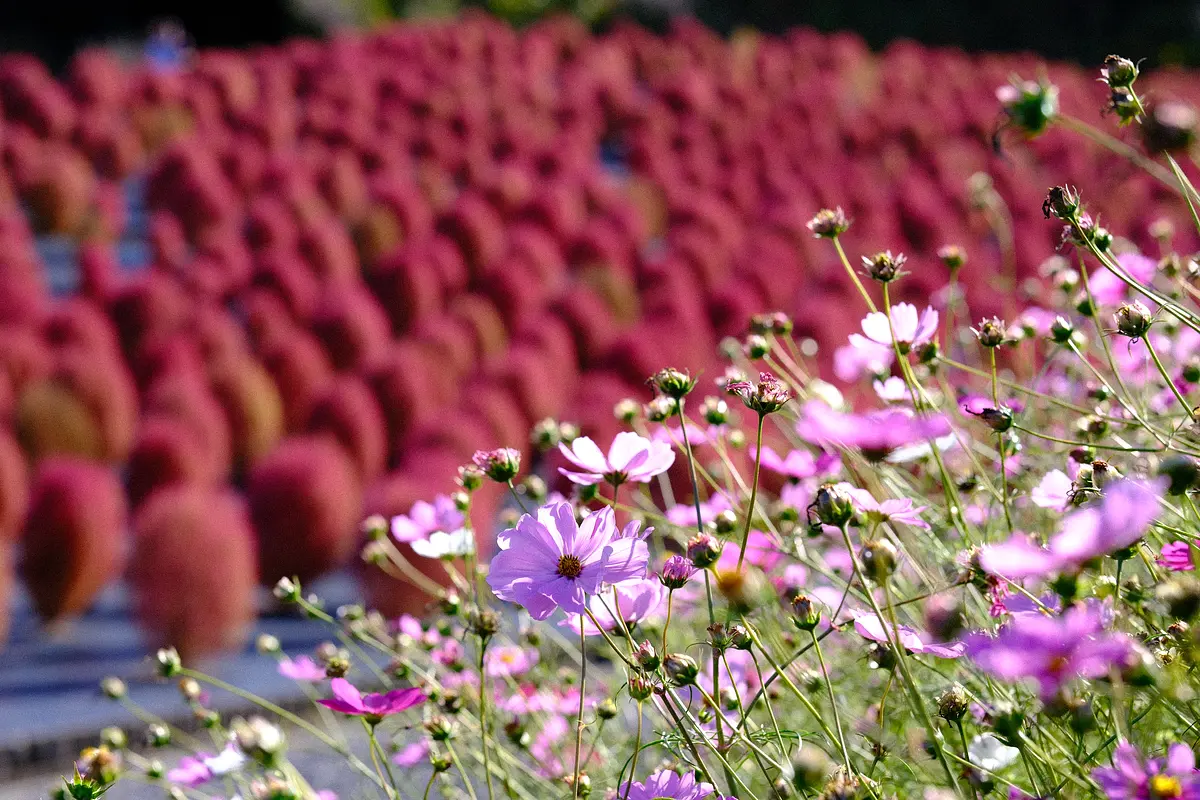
631	458
551	561
884	267
768	396
501	464
829	223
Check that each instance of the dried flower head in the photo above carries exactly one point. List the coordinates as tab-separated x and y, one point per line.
767	396
828	224
884	267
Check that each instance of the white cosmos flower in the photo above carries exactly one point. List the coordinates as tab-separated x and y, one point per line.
446	545
228	760
990	753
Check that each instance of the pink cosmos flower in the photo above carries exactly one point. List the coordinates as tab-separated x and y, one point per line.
410	626
412	754
684	514
636	601
1053	650
697	435
893	509
909	329
878	433
1177	557
892	390
425	518
850	362
799	464
667	785
372	707
301	668
761	551
1053	491
1118	521
509	661
200	769
553	562
1135	777
871	627
630	458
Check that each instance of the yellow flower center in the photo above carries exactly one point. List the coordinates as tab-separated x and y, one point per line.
1163	786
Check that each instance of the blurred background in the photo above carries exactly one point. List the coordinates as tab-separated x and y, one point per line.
269	267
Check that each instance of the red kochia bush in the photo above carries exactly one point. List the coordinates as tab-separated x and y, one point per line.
348	412
252	406
14	489
166	452
193	570
75	540
305	501
301	370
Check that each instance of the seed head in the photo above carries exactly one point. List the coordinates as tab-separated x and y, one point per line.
673	383
991	332
884	267
1133	319
828	224
953	703
681	668
1118	71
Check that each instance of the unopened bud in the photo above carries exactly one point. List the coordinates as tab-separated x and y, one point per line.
1133	319
953	703
833	506
1118	71
626	410
953	257
673	383
682	669
879	559
501	464
991	332
168	662
646	656
113	688
829	223
661	408
806	613
884	267
703	550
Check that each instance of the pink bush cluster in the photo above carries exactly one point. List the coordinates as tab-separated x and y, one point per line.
374	254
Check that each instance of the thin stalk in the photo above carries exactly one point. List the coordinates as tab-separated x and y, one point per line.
1166	377
637	748
1000	448
375	747
753	491
516	496
853	275
582	697
461	772
837	717
484	734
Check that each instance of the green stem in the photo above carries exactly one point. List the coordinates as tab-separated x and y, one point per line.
837	243
753	491
582	697
1000	448
1166	377
637	748
837	718
484	734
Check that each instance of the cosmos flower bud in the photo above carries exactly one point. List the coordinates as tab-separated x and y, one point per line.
884	267
998	419
953	703
501	464
718	637
535	488
259	739
828	224
991	332
756	346
725	522
99	765
661	408
703	550
113	738
439	728
190	689
626	410
168	662
375	527
1133	319
646	657
113	688
833	506
158	735
1118	71
1029	105
682	669
545	434
715	411
1061	330
676	572
673	383
470	477
1062	202
810	769
1169	127
806	612
879	559
607	709
776	322
287	590
1122	102
640	687
1183	472
952	256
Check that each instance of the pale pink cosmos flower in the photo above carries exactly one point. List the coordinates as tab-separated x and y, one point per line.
412	754
871	627
798	464
425	518
684	514
861	357
509	661
892	390
1054	491
908	329
631	458
301	668
894	509
636	601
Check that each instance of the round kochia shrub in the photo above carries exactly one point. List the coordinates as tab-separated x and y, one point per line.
193	569
75	540
305	500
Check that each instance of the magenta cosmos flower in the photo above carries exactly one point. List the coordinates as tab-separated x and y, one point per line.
425	518
1177	557
631	458
371	707
1135	777
550	561
877	433
666	785
1117	522
1053	650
